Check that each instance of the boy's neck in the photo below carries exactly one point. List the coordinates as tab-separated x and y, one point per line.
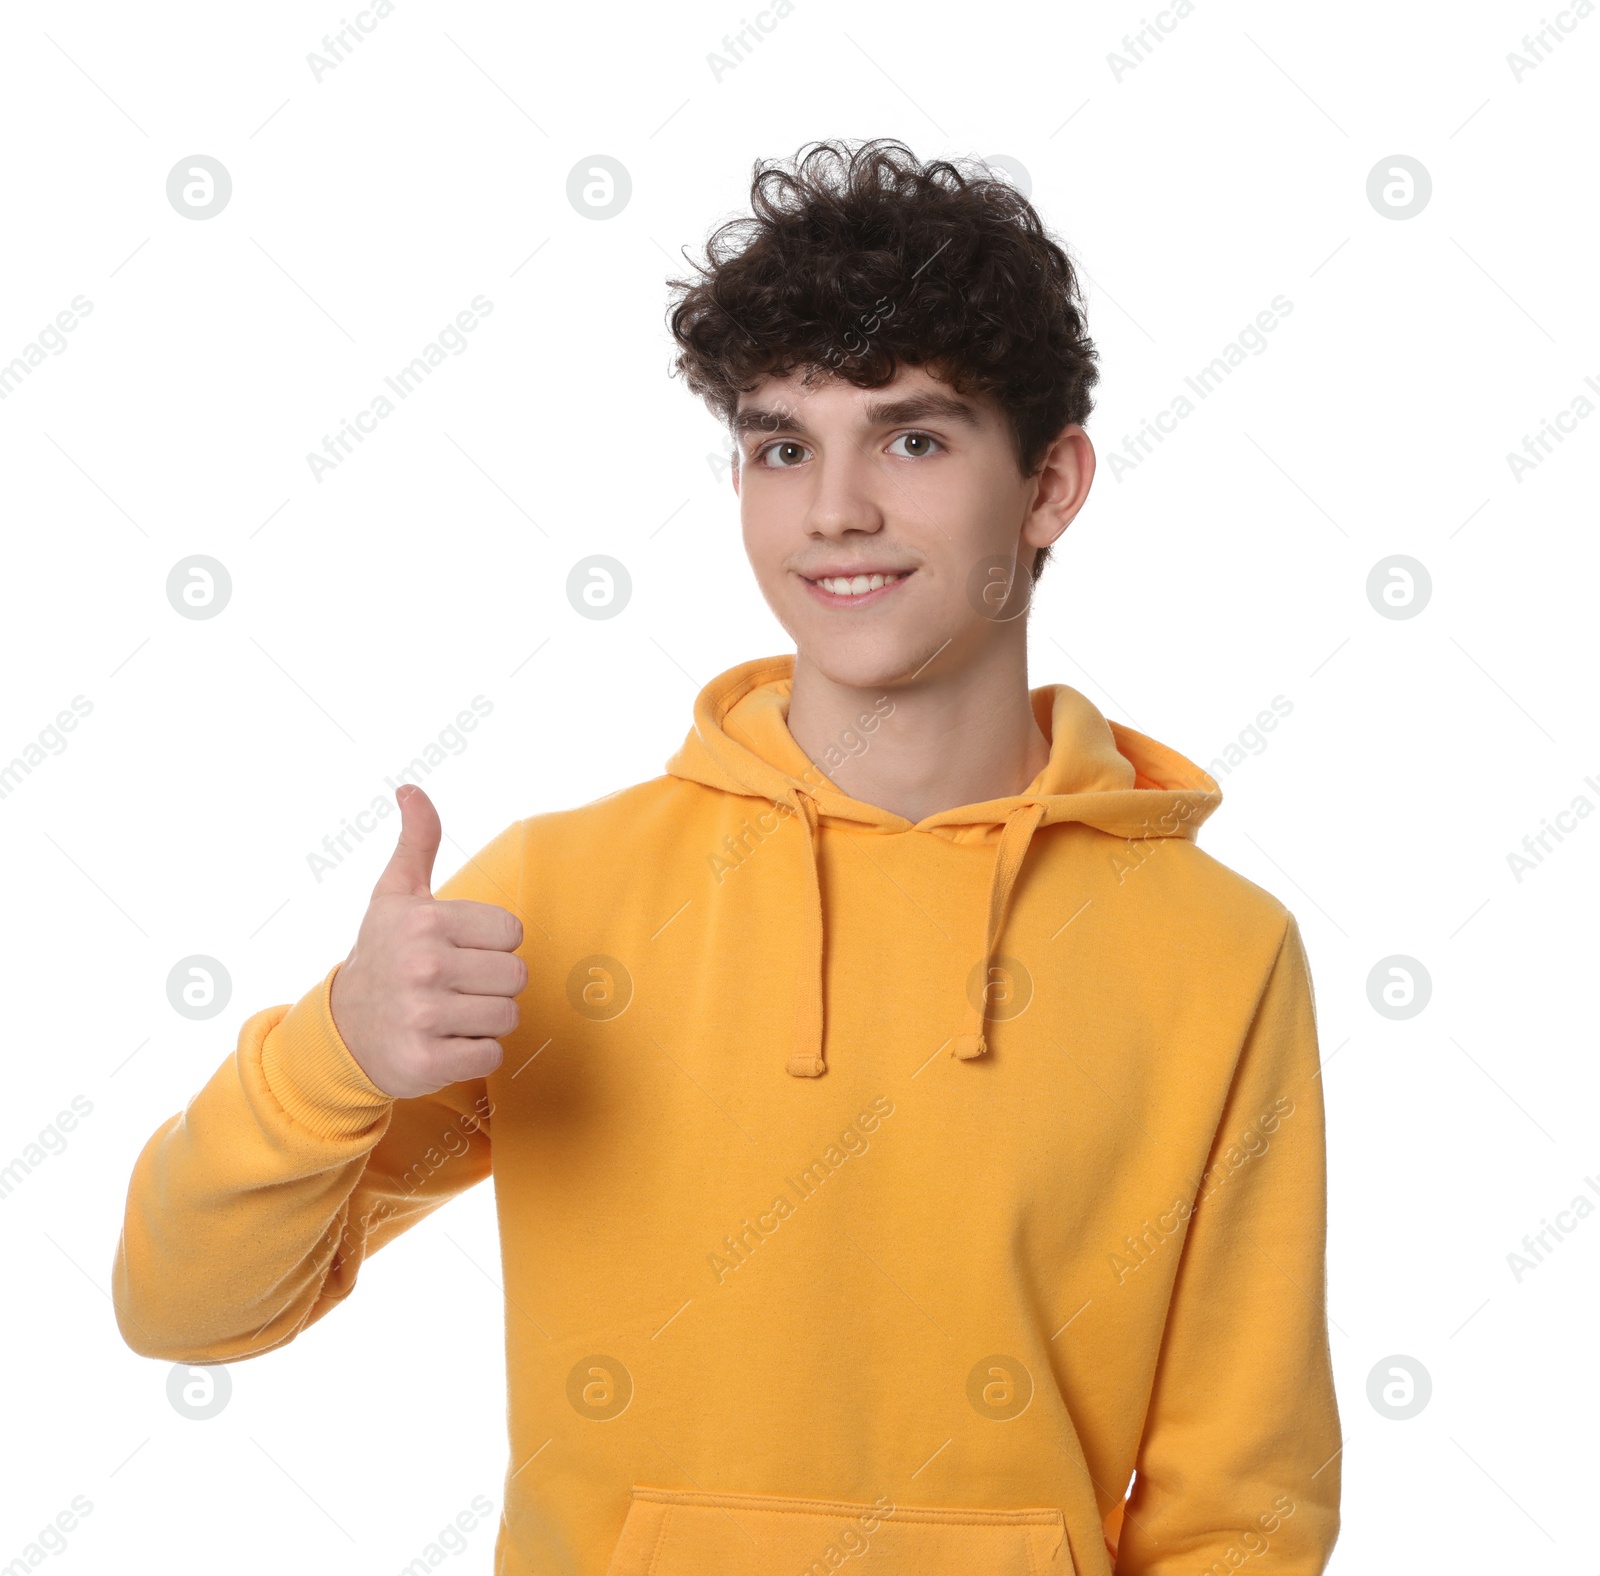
960	737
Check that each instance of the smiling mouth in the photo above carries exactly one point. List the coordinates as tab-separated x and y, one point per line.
850	588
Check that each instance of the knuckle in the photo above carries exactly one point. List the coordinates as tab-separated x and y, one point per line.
421	967
486	1055
423	921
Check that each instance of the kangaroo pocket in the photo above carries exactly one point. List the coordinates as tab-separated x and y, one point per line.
679	1532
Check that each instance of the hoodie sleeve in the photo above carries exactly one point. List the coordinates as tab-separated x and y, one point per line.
1241	1442
250	1212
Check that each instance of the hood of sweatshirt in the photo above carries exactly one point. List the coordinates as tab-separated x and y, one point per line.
1099	773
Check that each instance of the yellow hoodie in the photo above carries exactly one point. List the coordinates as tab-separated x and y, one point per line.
867	1190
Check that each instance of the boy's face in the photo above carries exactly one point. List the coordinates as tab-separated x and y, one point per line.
910	482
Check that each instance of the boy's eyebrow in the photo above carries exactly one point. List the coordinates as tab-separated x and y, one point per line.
878	413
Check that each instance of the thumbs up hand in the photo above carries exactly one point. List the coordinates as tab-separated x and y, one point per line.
429	985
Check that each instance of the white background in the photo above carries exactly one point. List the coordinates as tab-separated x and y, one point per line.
371	206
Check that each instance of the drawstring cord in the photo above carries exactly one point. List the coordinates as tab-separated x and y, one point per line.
1021	824
806	1058
805	1061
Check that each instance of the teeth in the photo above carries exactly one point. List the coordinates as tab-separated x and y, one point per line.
845	585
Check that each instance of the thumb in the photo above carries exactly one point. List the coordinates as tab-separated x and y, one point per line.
409	872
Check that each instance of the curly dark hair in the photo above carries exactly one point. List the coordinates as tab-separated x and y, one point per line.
854	262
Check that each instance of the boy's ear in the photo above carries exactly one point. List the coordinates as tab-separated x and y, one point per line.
1063	486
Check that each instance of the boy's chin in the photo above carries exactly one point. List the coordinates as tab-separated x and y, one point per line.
872	660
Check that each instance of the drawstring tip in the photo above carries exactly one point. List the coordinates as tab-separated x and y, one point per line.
806	1065
968	1045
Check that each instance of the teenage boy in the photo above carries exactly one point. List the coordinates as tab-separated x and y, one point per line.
904	1137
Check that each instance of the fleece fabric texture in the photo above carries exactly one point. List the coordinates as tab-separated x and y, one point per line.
949	1193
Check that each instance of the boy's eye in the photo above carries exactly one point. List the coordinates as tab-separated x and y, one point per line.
781	446
790	453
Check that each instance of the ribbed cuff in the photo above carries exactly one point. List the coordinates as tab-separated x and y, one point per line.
312	1074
